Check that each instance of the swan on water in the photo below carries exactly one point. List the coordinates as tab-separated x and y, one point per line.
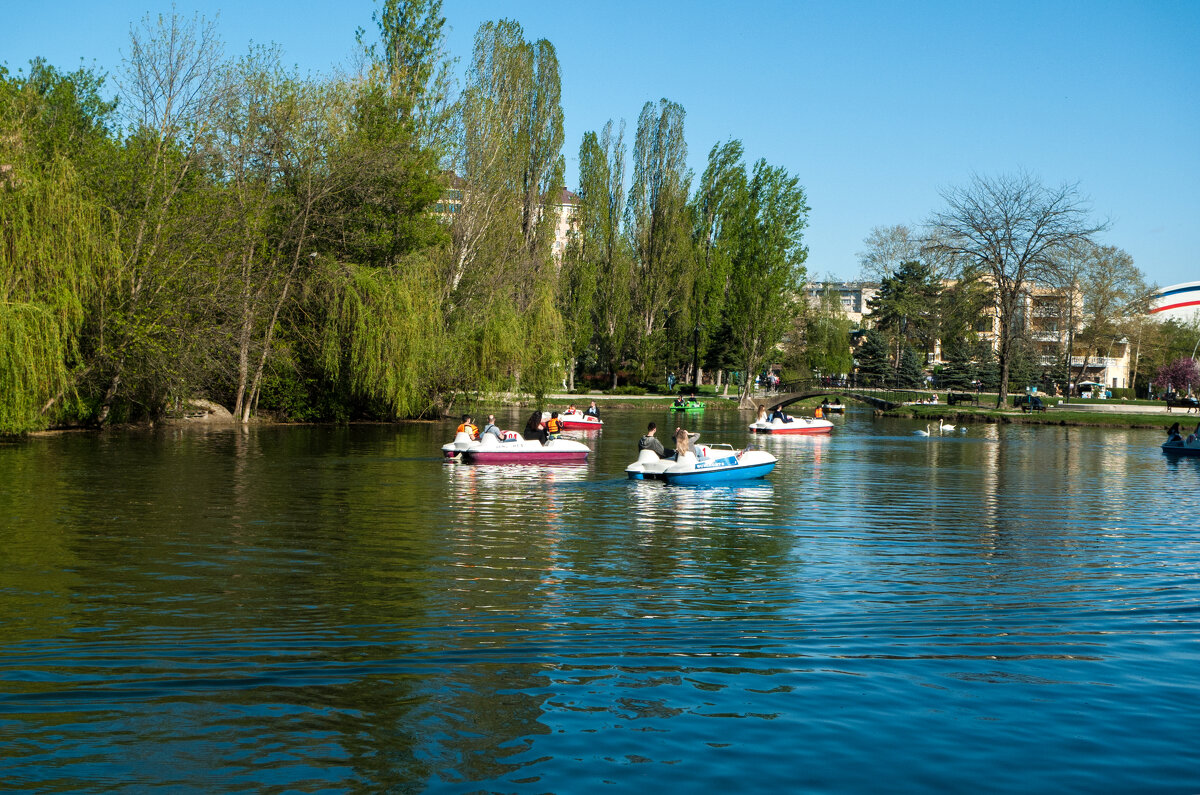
943	426
924	432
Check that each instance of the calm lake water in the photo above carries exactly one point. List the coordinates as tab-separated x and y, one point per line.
336	609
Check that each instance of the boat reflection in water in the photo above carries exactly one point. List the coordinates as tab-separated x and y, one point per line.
654	505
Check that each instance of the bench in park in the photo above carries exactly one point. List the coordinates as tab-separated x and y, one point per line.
1190	404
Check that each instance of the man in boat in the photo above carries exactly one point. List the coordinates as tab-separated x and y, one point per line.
779	415
648	442
679	401
592	411
490	427
468	426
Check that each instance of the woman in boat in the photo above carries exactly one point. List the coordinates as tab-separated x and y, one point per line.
534	428
683	442
1174	434
762	413
592	411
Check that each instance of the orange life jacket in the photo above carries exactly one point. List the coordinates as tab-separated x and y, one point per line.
471	430
553	425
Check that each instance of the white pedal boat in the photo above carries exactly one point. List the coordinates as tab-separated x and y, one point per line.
709	464
793	425
515	449
576	421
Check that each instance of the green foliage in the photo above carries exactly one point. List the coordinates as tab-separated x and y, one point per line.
627	390
823	335
54	246
376	332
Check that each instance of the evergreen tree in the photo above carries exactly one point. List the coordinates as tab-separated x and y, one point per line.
874	360
910	373
959	370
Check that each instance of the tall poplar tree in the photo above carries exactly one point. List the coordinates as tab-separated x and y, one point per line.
767	266
658	225
601	243
723	179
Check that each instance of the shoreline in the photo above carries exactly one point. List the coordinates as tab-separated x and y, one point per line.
1079	415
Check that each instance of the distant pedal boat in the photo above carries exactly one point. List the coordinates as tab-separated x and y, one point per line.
513	448
794	425
576	421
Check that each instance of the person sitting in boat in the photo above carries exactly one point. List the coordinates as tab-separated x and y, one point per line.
779	415
679	401
553	425
648	442
468	426
1194	436
1174	434
683	441
571	409
534	429
490	427
592	411
762	413
819	412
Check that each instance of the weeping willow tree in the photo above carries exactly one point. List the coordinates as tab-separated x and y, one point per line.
376	332
54	243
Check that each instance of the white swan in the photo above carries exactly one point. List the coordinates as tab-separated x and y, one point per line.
943	426
924	432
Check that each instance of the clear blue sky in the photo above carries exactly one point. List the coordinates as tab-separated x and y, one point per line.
875	106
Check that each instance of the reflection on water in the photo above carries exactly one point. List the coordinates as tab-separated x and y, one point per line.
317	609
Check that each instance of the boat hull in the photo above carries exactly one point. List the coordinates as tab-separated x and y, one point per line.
577	421
796	428
1181	448
525	457
708	477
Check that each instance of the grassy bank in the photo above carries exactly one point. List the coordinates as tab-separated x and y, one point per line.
1056	416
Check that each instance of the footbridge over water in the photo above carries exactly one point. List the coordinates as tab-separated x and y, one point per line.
878	395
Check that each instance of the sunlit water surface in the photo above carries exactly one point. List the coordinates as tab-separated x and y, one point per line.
336	609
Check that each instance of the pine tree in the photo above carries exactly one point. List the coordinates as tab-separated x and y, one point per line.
874	364
910	373
959	370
